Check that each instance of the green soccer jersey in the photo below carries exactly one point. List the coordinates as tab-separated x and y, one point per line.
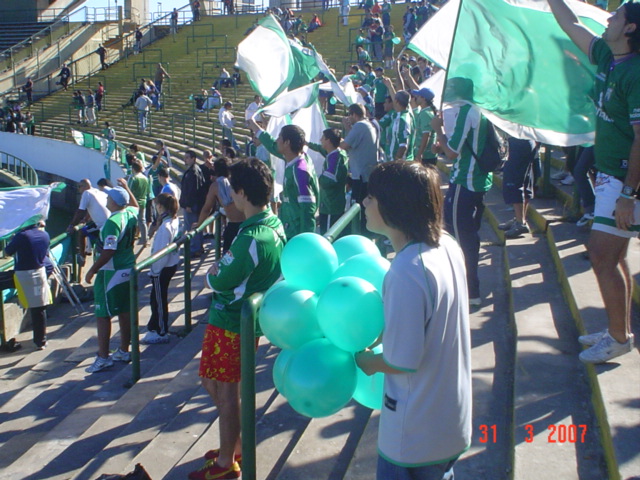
299	197
423	126
118	234
617	98
381	90
139	186
332	181
251	265
386	122
470	132
402	135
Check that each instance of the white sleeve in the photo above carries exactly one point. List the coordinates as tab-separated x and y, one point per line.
161	239
84	200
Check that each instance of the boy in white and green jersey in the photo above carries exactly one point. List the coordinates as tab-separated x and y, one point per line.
402	129
113	269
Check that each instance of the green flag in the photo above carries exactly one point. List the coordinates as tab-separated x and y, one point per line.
512	60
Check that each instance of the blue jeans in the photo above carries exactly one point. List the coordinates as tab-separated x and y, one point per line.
585	163
142	120
390	471
463	211
189	219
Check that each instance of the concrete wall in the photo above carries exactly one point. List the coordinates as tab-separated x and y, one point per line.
63	159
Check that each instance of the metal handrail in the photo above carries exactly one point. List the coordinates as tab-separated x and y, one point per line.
248	318
19	168
185	241
33	38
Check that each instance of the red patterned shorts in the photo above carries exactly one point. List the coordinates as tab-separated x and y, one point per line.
221	355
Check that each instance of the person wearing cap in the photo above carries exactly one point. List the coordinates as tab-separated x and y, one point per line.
617	159
425	137
403	127
112	270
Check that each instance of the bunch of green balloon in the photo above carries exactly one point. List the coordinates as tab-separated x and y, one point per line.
288	316
350	313
347	247
308	262
319	378
371	268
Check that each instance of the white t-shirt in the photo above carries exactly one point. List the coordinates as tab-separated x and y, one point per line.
426	414
251	109
94	201
226	118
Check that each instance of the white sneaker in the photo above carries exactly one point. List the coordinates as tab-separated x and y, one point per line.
568	180
606	349
592	338
153	338
585	220
560	175
99	364
120	356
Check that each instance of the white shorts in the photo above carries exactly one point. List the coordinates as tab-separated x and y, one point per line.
607	192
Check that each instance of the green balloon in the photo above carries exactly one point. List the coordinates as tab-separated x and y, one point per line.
333	100
288	316
395	40
347	247
308	262
369	388
279	369
350	313
371	268
319	379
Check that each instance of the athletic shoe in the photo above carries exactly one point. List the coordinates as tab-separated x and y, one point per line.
517	230
120	356
560	175
507	225
568	180
100	364
475	302
593	338
153	338
215	453
211	470
606	349
586	219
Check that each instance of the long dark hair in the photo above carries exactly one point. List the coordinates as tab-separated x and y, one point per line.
409	199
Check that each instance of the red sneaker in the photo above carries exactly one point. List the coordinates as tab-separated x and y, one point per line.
212	471
215	453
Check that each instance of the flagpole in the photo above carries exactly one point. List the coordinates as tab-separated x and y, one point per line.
453	40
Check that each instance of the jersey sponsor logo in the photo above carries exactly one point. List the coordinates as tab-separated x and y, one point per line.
227	259
603	115
111	242
390	403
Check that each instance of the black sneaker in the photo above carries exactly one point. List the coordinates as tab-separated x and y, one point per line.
517	230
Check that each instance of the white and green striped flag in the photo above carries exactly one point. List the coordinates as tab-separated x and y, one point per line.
521	69
24	206
266	57
292	100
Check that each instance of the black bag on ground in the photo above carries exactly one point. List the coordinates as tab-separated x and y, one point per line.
139	473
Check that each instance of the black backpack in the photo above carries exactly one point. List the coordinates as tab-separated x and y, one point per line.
494	153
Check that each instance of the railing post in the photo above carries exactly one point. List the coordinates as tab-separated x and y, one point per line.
248	384
187	282
135	334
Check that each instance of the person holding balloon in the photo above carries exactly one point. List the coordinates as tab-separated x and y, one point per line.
251	265
425	421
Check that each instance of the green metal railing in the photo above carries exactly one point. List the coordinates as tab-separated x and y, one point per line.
19	168
248	355
185	241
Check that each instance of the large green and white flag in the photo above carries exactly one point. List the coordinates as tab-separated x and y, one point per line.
515	63
290	101
24	206
266	57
